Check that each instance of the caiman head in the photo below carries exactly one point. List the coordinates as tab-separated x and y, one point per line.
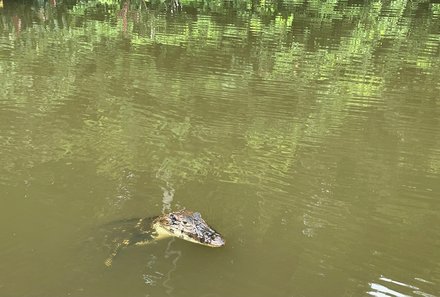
189	226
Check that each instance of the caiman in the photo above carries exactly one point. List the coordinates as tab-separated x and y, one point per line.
183	224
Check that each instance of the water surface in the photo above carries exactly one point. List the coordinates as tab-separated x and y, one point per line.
307	133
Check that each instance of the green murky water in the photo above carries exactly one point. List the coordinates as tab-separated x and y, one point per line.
306	132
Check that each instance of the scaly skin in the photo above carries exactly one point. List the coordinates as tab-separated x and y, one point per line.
183	224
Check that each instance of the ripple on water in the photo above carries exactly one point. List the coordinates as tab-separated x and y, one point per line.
388	287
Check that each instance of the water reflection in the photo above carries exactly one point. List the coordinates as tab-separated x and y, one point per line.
389	287
307	132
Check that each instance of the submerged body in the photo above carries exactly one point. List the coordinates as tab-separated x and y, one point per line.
183	224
